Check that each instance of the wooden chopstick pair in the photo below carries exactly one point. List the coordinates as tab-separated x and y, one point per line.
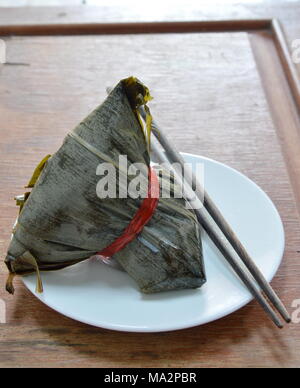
215	225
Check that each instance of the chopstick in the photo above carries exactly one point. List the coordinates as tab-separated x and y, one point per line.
225	247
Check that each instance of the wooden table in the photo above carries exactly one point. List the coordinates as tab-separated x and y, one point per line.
226	95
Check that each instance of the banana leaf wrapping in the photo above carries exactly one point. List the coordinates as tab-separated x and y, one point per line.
63	222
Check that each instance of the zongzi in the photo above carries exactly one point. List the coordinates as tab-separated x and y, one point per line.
64	221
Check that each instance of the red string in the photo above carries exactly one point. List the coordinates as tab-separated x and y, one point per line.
141	218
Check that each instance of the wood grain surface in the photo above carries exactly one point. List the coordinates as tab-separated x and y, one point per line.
287	11
213	97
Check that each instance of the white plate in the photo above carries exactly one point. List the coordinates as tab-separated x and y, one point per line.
99	295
